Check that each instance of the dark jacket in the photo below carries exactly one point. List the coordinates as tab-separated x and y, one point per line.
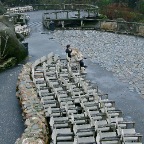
81	63
68	52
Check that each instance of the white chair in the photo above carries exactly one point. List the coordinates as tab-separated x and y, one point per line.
50	55
109	137
84	140
62	135
56	58
43	59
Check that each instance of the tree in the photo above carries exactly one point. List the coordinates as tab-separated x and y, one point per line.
140	6
2	9
132	3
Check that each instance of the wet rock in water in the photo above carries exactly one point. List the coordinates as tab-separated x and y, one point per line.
121	54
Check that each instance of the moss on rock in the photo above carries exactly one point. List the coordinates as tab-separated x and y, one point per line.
8	63
10	45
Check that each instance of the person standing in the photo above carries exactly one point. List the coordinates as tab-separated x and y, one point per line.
68	51
52	26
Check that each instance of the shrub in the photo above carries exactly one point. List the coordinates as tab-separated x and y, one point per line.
115	11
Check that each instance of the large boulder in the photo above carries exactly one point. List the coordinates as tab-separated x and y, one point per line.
141	30
10	45
110	26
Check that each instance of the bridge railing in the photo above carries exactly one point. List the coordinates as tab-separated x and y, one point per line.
68	14
63	6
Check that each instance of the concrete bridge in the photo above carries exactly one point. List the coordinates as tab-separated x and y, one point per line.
68	18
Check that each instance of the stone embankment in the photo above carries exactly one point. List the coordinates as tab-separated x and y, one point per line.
77	113
120	54
33	114
122	27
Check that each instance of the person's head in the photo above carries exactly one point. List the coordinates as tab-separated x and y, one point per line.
68	46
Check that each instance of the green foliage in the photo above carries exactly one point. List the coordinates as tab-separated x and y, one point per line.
121	10
141	21
2	9
103	3
102	16
132	3
8	63
141	7
130	10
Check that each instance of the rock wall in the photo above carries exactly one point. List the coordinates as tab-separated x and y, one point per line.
122	27
36	129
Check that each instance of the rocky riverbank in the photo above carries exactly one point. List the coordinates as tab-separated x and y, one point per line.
33	113
124	58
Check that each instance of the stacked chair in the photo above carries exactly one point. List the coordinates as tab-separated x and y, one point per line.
78	113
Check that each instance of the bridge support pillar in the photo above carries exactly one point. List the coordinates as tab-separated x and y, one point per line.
47	24
71	6
62	24
56	15
88	13
78	13
67	15
81	23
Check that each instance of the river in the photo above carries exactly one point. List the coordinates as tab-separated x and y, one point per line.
41	42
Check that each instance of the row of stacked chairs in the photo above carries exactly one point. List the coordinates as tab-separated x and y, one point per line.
78	113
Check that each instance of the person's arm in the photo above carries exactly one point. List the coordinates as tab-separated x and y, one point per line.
77	58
